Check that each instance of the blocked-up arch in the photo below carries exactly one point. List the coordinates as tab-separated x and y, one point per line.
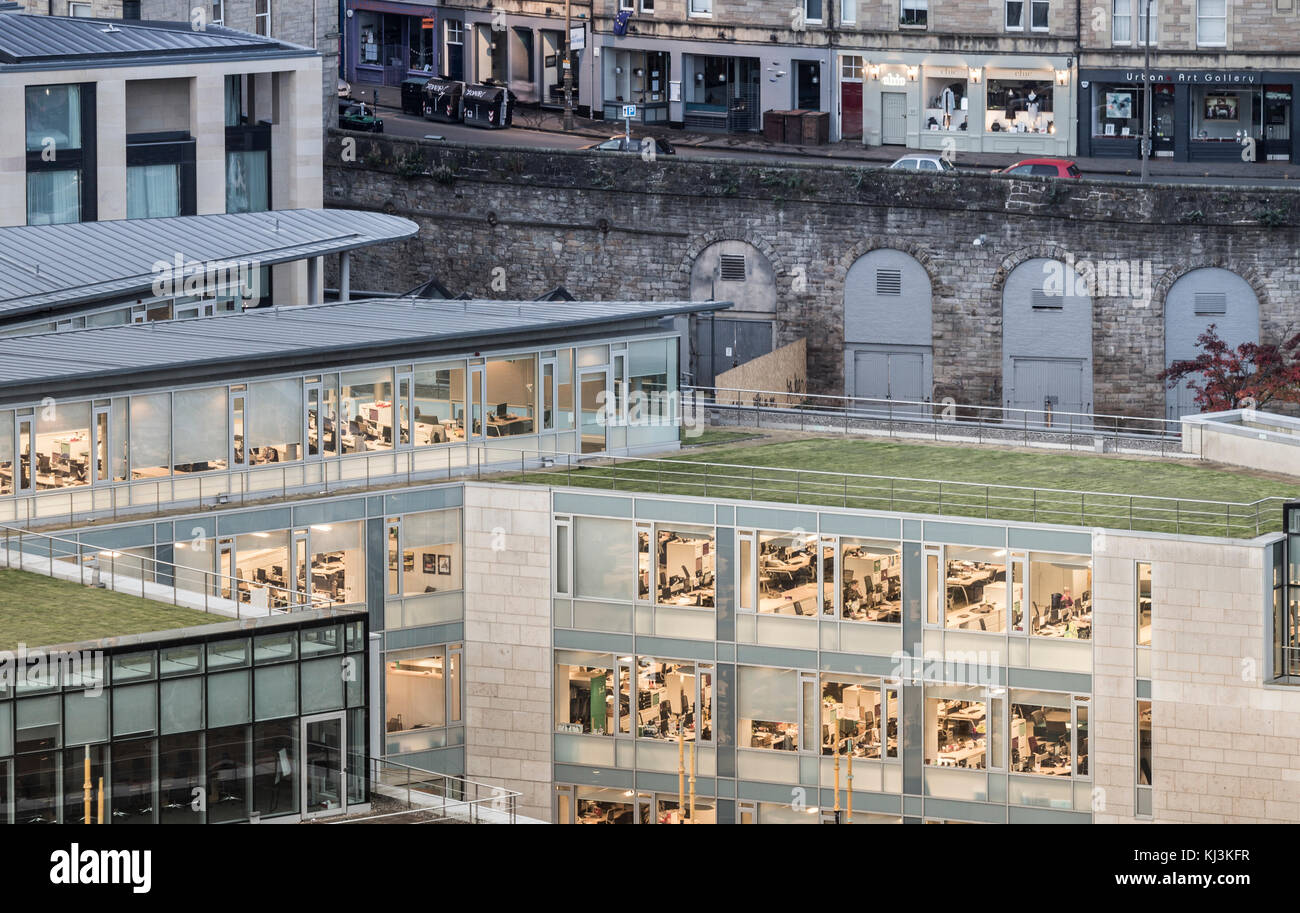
1198	298
888	327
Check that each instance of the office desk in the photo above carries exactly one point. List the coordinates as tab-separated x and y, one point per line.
970	714
508	426
994	618
787	568
959	755
802	600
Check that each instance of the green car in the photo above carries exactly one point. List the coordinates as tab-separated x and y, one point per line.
353	115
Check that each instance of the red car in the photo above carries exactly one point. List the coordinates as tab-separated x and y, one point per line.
1043	168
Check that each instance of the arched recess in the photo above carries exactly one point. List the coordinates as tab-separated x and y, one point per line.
1046	339
736	271
888	327
1198	298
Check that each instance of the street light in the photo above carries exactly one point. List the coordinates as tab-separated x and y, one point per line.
1146	91
568	67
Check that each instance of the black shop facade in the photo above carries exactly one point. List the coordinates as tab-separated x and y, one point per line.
1197	115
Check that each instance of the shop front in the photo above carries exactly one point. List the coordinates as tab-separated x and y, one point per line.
389	41
956	104
720	94
1196	115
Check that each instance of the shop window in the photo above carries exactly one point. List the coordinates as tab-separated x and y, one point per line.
584	693
1019	106
1211	23
975	582
767	708
1143	603
1117	110
684	562
1225	115
945	103
852	716
956	726
914	13
420	49
872	573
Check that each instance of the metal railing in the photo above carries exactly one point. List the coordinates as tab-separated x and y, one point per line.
945	420
426	797
147	577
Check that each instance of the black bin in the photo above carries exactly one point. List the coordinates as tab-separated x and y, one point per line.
442	99
488	106
413	95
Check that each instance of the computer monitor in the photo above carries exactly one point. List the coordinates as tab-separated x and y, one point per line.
502	409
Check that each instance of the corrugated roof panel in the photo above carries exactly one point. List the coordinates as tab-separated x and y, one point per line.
26	39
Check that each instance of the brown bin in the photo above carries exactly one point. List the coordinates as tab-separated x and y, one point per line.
815	128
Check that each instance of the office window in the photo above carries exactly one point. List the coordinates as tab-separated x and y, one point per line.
812	10
852	716
218	12
1041	733
1144	743
1148	14
599	805
975	583
652	381
584	692
234	101
872	588
439	403
153	191
684	566
248	181
1212	22
511	396
275	421
914	13
1015	14
275	768
604	558
1144	604
1039	12
415	689
261	564
672	698
767	708
956	728
229	766
262	17
1060	599
1121	21
135	782
6	452
55	173
787	574
367	402
202	430
430	553
338	564
63	446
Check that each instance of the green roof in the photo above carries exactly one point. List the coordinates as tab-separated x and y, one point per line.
40	611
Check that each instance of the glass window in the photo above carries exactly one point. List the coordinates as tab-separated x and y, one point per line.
133	666
667	703
1117	110
812	10
787	574
63	445
234	101
1060	599
229	773
337	564
604	806
1149	14
248	180
261	560
976	586
181	705
228	654
262	17
1039	13
604	558
135	710
1015	14
684	566
202	430
54	118
74	782
228	698
1019	106
1211	22
439	403
415	689
1122	21
275	421
767	708
6	452
701	7
151	422
849	12
511	396
955	726
652	381
1144	604
275	691
153	191
85	717
180	779
36	788
914	13
1144	743
322	684
367	400
135	782
431	553
872	589
275	767
852	716
53	197
584	693
1040	733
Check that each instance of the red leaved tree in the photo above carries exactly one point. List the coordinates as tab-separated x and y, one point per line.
1249	376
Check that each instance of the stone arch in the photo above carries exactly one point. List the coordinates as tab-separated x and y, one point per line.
702	242
888	296
735	269
1047	348
917	252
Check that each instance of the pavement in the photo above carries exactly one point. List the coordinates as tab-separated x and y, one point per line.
752	145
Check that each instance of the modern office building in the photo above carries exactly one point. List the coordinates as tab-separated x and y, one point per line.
126	119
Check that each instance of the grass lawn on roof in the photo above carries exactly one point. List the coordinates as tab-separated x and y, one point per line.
1123	492
39	611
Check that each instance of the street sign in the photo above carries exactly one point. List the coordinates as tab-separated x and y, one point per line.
629	111
577	37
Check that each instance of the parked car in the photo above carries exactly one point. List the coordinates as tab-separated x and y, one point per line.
636	144
356	115
1044	168
934	163
345	88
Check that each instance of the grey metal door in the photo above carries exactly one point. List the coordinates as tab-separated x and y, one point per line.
889	375
721	345
871	375
1048	386
1181	401
893	118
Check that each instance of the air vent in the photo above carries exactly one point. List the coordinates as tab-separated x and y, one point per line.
889	282
731	267
1211	303
1044	301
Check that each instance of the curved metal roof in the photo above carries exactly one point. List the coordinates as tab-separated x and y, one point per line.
47	268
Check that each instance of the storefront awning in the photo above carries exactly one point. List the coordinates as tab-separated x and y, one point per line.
393	6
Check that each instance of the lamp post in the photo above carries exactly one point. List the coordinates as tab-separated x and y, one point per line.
568	66
1146	90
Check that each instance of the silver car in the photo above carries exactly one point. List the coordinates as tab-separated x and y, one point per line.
932	163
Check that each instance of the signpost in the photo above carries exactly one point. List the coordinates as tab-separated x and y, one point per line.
629	112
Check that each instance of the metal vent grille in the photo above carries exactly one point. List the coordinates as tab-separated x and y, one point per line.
1211	303
1043	301
889	282
731	267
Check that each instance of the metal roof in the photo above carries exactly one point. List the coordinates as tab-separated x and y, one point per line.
45	268
272	339
43	40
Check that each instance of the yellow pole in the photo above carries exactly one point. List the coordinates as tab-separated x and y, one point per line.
850	781
85	788
837	781
692	817
101	801
681	774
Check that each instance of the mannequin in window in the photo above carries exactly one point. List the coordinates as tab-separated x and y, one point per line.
947	103
1033	109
